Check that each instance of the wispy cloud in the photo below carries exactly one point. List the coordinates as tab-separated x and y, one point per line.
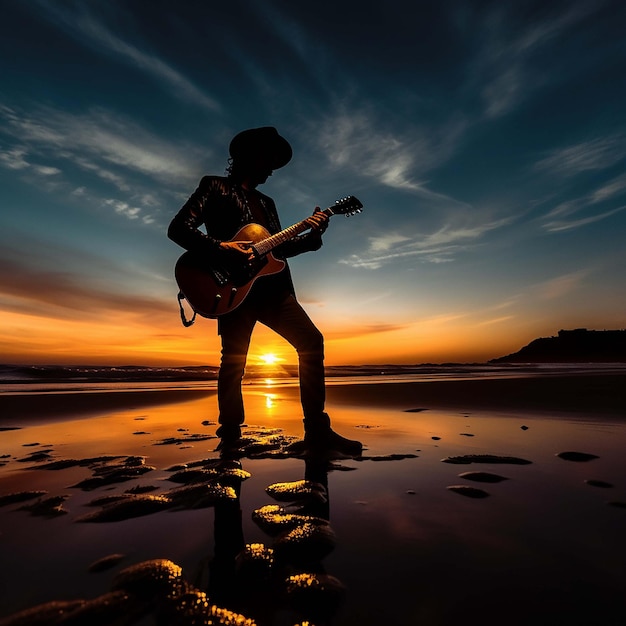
595	154
14	159
441	246
123	208
356	141
93	141
62	295
387	241
503	92
46	170
311	52
505	67
351	141
355	330
114	149
561	285
555	226
495	320
610	189
84	27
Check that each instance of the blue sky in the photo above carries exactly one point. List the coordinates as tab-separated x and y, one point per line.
486	140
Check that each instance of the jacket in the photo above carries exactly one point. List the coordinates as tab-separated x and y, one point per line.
221	205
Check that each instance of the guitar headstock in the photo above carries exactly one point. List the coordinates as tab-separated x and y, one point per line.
350	205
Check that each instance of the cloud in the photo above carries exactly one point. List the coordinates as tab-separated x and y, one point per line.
141	165
61	295
503	92
13	159
556	226
561	285
293	35
609	189
385	242
46	170
582	211
505	68
123	208
354	331
102	172
94	141
595	154
355	140
88	30
352	141
441	246
496	320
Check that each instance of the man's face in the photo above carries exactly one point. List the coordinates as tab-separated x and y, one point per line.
259	171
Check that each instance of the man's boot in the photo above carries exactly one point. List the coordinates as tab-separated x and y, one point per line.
320	437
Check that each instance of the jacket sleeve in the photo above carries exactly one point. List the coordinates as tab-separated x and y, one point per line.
184	229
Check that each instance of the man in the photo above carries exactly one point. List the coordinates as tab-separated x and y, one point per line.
224	205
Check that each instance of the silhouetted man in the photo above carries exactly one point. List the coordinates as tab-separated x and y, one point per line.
224	205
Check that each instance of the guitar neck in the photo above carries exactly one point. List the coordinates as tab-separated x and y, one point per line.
265	246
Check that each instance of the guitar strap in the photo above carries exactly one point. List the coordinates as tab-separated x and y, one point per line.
183	318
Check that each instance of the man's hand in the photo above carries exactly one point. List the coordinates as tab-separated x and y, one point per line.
237	250
318	221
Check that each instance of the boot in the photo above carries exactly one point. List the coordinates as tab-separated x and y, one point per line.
320	437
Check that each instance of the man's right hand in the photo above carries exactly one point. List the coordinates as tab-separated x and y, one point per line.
237	250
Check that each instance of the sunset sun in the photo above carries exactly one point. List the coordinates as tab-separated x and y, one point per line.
269	359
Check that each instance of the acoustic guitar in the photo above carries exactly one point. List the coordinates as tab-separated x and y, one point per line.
213	291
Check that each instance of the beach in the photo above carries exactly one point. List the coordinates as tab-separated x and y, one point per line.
487	500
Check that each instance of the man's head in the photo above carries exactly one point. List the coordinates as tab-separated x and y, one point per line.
260	148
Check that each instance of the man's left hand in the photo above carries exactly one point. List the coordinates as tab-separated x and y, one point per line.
318	221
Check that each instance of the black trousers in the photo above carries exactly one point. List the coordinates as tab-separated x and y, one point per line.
285	316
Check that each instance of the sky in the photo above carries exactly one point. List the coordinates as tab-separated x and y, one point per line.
486	141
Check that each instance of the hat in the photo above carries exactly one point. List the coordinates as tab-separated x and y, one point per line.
264	143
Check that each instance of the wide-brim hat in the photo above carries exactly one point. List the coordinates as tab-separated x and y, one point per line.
261	143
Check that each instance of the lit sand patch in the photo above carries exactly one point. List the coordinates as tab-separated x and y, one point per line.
297	490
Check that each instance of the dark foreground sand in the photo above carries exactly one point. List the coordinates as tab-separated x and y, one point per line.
414	536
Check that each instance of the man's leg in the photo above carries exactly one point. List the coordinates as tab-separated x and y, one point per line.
235	330
291	322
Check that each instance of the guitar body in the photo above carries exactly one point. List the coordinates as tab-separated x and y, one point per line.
214	291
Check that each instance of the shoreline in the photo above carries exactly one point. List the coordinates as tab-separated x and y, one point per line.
593	393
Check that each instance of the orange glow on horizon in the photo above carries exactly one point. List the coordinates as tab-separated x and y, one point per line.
121	338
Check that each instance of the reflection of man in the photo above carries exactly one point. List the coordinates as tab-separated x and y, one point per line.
224	205
250	579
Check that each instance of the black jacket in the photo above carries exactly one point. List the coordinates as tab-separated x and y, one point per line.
221	206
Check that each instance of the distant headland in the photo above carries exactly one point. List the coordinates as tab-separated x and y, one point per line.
573	346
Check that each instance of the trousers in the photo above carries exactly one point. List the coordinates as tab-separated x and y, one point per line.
288	319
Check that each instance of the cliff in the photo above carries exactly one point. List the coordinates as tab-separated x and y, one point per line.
573	346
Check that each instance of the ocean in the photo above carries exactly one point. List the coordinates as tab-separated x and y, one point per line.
25	379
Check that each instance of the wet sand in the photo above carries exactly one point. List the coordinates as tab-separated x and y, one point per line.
465	507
